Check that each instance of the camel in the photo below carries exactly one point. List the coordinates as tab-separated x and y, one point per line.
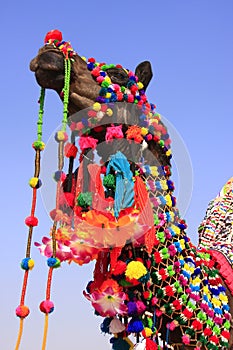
150	281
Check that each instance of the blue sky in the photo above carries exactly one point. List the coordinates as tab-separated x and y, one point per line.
189	43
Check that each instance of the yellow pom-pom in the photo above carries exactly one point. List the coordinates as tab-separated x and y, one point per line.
168	153
135	269
168	200
31	264
147	332
154	170
61	136
216	302
176	229
164	187
33	182
107	79
140	85
97	106
182	243
144	131
109	112
84	58
223	297
108	95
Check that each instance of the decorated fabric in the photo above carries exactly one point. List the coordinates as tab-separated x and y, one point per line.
122	213
124	187
216	231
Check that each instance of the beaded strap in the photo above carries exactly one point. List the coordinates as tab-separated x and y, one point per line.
27	264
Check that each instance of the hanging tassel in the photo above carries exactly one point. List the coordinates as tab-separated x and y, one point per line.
142	201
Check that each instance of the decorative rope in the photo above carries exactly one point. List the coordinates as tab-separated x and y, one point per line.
61	137
22	311
66	93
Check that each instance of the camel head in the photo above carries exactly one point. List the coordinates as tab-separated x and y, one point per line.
49	70
98	83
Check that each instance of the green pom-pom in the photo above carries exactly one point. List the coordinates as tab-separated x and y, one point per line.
105	84
154	277
201	316
190	331
180	320
160	236
156	219
203	340
193	307
170	271
110	181
84	200
150	322
160	293
184	297
210	323
168	309
216	330
227	325
38	145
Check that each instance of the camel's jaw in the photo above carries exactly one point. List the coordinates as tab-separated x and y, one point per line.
48	66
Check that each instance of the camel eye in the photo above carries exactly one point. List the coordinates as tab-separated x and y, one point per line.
118	76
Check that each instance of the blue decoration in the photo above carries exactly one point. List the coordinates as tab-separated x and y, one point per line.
124	194
135	326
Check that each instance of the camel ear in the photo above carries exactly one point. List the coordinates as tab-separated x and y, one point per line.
144	73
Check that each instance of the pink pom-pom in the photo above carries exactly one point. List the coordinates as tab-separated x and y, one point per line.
100	79
46	306
185	339
22	311
149	137
154	301
31	221
130	98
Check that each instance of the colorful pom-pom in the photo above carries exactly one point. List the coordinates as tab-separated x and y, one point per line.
53	262
70	150
116	326
84	200
35	182
38	145
105	325
140	85
59	175
27	264
135	326
22	311
31	221
135	269
97	106
109	181
54	34
147	332
109	112
46	306
61	136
